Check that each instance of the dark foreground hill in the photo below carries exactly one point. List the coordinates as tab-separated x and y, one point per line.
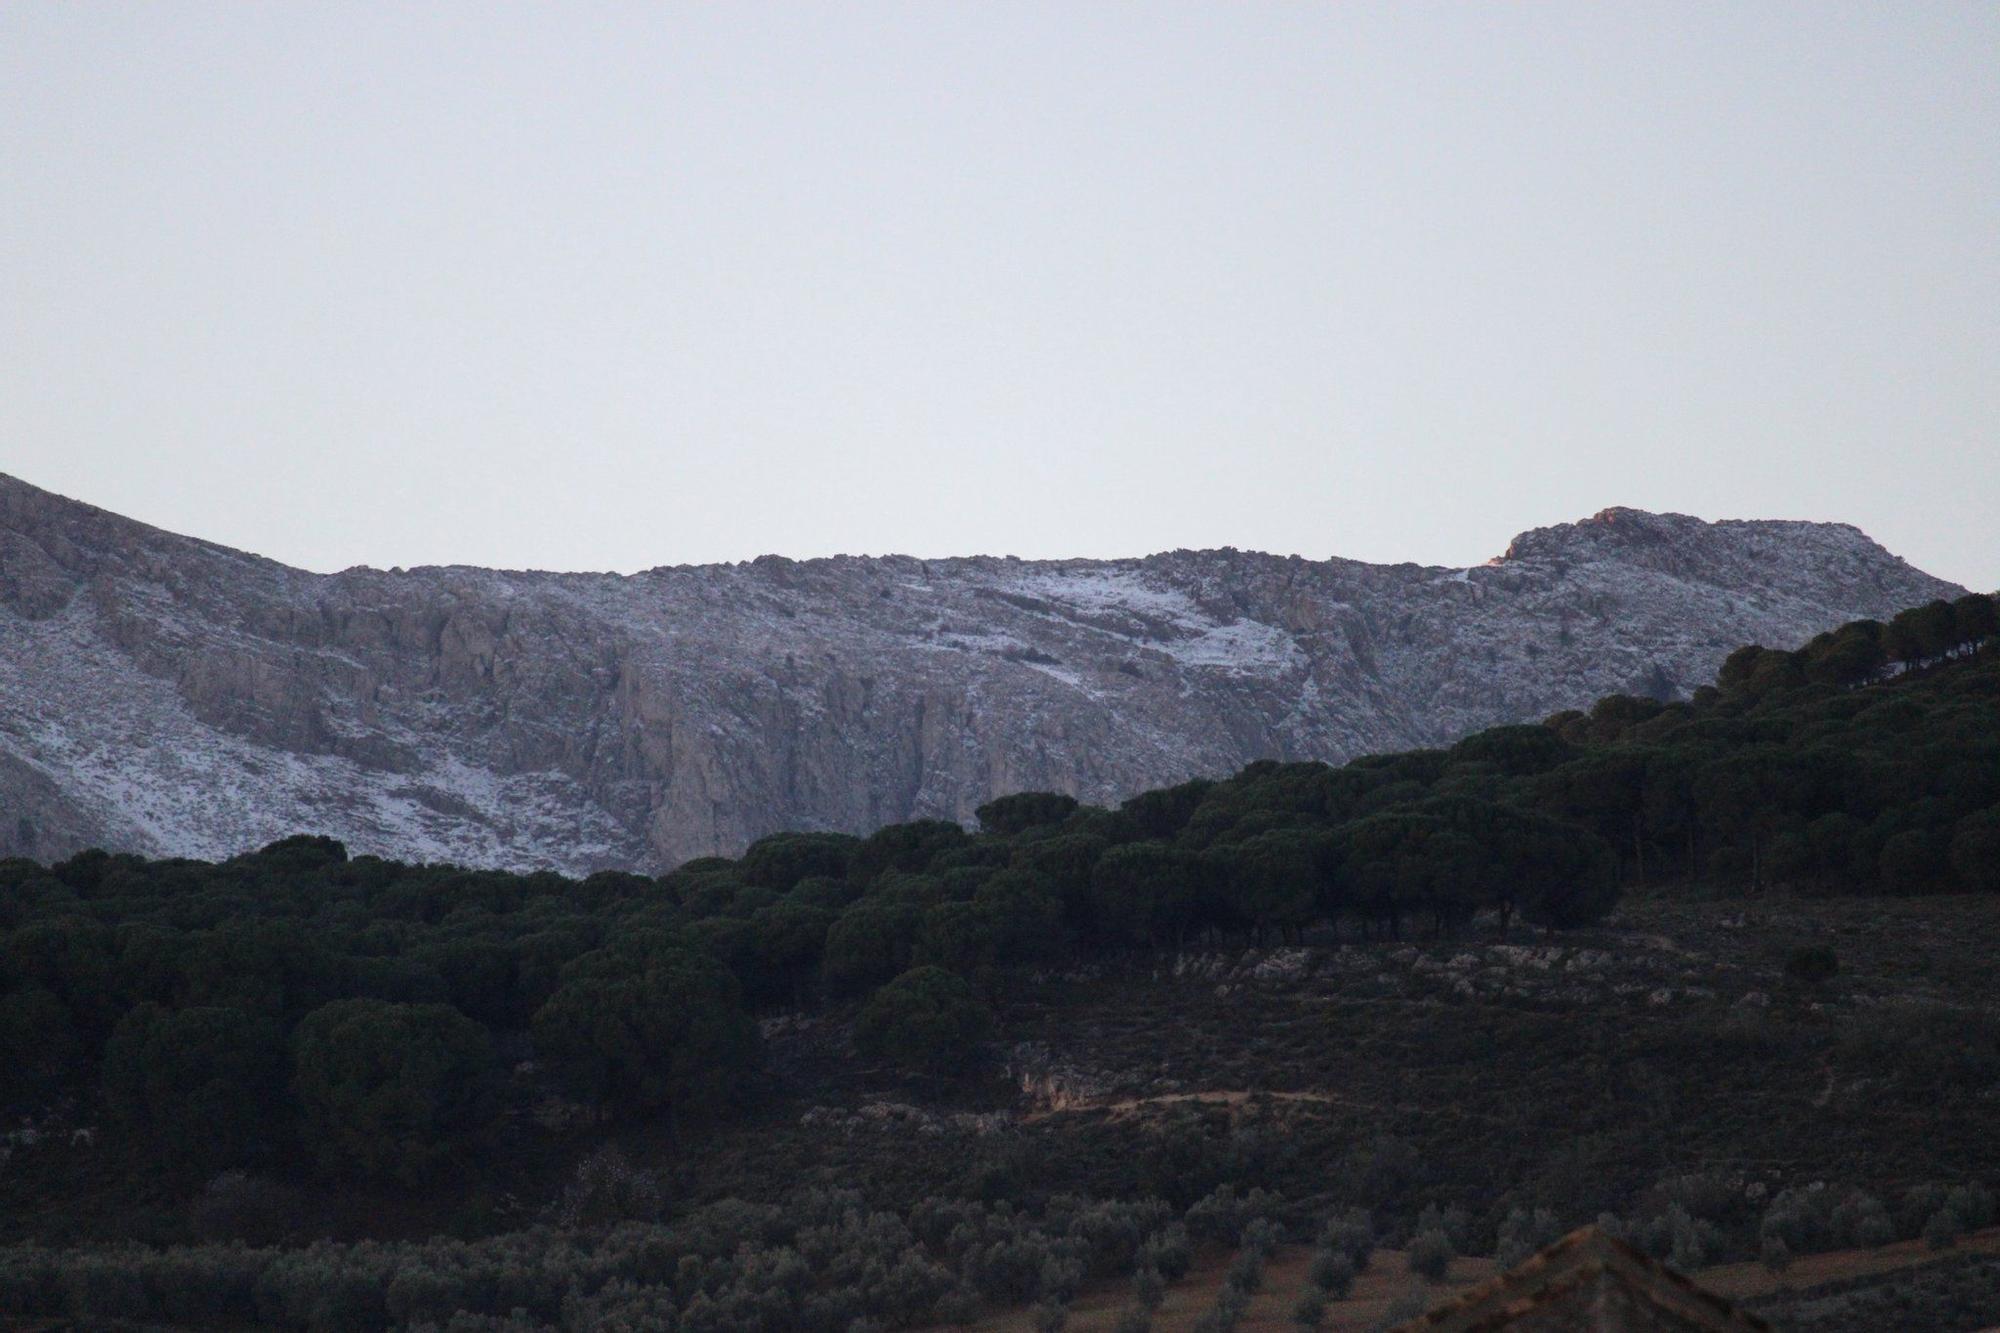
167	696
1717	972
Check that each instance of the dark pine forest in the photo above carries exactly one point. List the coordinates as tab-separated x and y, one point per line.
302	1023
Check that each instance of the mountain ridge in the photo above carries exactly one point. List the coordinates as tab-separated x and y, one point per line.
165	694
1625	520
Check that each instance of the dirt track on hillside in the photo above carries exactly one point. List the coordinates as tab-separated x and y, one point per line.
1123	1108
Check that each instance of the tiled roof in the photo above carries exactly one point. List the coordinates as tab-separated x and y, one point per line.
1589	1282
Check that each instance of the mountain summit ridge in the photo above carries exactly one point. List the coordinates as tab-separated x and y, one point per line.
164	694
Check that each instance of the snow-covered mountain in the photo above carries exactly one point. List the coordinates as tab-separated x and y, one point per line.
166	695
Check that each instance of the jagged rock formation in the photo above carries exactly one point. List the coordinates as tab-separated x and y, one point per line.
166	695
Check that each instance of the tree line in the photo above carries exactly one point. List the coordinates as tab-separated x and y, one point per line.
367	1019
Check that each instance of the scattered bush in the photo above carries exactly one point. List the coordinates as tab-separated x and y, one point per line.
1062	1277
1685	1241
1522	1233
1944	1229
1332	1272
241	1207
1262	1237
1231	1303
1860	1220
1431	1253
1168	1253
1246	1271
1812	965
1380	1167
1224	1216
1453	1221
606	1189
1350	1233
1916	1206
1972	1204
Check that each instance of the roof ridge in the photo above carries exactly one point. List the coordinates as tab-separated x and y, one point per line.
1584	1256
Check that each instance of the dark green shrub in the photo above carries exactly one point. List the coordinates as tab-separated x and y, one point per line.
958	1307
1916	1207
1246	1271
238	1206
928	1019
391	1091
201	1286
607	1189
1973	1205
1812	964
1859	1220
108	1285
1262	1237
655	1027
1522	1232
870	943
1011	815
1167	1253
1332	1273
779	862
1349	1233
1062	1277
1431	1253
1225	1216
31	1281
1453	1221
1943	1230
207	1084
39	1042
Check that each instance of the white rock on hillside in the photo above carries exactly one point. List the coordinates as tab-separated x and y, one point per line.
165	695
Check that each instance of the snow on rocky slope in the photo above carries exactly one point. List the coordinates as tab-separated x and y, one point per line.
166	695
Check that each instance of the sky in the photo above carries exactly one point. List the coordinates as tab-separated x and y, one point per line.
616	286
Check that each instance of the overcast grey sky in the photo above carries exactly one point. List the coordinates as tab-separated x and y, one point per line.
611	286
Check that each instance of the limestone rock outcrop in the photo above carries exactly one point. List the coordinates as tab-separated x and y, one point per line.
166	695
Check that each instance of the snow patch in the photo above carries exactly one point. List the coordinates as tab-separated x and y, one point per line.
1197	639
129	747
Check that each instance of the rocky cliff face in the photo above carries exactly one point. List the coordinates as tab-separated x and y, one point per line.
166	695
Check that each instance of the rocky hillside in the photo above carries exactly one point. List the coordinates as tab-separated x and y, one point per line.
166	695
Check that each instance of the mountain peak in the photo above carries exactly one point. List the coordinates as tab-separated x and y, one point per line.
1684	543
